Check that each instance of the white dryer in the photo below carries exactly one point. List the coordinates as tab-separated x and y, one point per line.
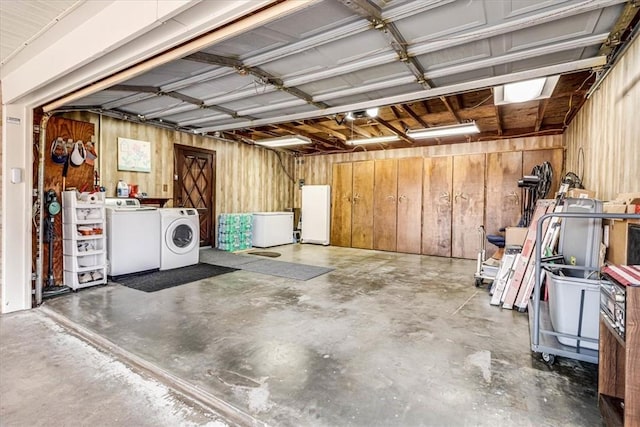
180	237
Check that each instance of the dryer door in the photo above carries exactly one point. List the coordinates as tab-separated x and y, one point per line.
181	236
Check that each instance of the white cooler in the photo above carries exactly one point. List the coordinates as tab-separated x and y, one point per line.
272	229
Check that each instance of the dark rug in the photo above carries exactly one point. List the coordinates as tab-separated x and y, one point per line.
265	253
159	280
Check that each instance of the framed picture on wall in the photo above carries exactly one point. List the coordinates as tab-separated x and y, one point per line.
134	155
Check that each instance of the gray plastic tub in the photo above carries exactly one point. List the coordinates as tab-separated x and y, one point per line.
566	295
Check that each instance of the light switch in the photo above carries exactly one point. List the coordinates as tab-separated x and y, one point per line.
16	175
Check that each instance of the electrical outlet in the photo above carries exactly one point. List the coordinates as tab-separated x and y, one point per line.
165	187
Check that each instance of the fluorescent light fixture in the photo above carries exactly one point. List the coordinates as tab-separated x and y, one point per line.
436	132
525	90
284	141
374	140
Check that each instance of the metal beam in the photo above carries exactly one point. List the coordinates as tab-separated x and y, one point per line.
265	78
568	67
615	36
403	136
200	104
393	35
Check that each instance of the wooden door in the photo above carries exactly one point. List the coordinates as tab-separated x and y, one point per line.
409	228
362	213
341	204
194	186
385	204
555	156
468	205
503	195
436	206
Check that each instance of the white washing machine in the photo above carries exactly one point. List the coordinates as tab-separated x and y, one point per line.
180	237
133	241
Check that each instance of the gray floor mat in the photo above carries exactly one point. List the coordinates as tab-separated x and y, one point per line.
288	270
225	259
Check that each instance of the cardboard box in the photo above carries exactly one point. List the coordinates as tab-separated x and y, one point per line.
581	193
627	198
617	250
515	236
614	207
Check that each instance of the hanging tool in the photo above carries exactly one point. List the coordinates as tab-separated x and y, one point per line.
53	208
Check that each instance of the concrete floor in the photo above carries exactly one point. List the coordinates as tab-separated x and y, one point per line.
50	377
385	339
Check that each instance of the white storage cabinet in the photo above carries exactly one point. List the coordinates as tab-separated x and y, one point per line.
83	234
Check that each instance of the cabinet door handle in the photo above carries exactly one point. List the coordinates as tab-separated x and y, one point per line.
446	197
401	198
461	195
516	198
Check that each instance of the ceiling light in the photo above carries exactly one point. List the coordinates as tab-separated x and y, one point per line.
523	91
372	112
350	116
436	132
526	90
374	140
284	141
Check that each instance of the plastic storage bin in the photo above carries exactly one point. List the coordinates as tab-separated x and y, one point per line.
565	296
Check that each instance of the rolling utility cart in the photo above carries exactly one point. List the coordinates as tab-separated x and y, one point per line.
578	336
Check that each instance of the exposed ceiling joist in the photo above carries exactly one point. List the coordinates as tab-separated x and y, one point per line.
542	106
403	136
453	112
429	93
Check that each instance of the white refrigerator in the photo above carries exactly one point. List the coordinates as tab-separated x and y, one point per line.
316	214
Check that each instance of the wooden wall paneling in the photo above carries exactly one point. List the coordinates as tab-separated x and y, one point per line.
607	129
468	205
317	169
537	157
409	226
503	197
362	213
385	204
436	206
78	177
341	204
248	178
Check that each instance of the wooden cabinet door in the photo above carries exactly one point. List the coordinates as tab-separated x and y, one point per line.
341	204
555	156
409	226
385	204
362	211
503	195
468	205
436	206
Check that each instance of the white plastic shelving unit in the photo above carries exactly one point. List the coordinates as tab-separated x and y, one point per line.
84	244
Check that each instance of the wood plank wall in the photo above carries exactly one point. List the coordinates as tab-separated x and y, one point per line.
248	179
317	169
607	129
